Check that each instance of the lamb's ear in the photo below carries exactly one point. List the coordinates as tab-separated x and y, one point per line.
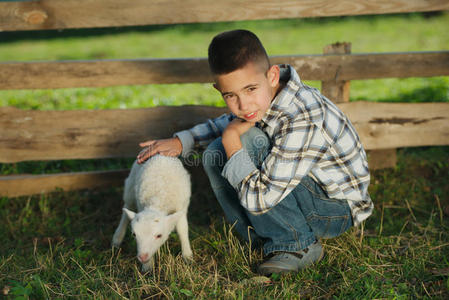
174	216
129	213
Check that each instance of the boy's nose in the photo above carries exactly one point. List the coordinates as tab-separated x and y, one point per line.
243	104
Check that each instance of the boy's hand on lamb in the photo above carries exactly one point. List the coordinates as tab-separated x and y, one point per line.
167	147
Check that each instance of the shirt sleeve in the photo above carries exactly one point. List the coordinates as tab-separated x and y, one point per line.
203	134
297	147
238	167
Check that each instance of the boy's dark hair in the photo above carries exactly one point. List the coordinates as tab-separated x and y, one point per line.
232	50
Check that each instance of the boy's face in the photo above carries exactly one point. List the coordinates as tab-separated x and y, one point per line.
248	91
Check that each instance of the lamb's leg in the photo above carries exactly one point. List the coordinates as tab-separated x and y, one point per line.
182	228
120	231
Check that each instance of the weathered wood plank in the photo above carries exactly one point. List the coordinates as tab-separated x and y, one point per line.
382	159
21	185
100	73
24	185
396	125
52	135
59	14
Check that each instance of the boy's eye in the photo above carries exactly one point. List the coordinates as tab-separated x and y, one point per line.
229	97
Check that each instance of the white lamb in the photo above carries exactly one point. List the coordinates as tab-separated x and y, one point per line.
160	191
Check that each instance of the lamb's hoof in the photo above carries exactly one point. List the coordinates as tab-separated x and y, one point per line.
115	245
116	241
188	259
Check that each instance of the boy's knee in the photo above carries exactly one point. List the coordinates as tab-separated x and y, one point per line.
214	154
256	143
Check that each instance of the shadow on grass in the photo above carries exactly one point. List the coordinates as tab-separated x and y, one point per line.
436	93
405	90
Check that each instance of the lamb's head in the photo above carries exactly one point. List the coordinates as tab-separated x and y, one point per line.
151	228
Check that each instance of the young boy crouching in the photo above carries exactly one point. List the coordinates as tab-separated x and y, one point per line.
286	165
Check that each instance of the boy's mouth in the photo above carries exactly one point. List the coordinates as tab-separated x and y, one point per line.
250	116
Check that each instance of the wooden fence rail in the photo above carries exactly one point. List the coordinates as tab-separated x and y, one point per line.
100	73
59	14
85	134
22	185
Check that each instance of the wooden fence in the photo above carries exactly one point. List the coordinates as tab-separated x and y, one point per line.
32	135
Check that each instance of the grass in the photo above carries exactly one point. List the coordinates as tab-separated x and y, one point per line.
58	245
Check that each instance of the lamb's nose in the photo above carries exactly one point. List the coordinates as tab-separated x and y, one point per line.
143	257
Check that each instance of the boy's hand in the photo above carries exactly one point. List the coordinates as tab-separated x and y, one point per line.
238	126
231	136
167	147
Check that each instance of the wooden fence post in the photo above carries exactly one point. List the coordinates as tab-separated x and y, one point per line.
338	91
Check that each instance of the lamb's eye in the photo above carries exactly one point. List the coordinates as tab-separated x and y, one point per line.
158	236
134	234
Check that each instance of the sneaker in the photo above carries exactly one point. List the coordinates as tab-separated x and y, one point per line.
281	262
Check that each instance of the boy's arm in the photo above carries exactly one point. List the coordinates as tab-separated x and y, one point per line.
166	147
184	141
291	158
231	136
203	134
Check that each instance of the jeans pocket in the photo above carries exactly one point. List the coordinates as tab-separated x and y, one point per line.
329	226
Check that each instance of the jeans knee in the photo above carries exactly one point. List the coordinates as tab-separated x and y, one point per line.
256	143
214	155
254	138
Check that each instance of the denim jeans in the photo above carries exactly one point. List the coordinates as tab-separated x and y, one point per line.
295	222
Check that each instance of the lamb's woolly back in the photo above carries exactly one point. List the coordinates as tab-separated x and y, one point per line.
163	184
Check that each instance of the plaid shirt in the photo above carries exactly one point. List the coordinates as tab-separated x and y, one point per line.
310	137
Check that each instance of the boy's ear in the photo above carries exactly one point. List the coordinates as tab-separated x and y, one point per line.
273	75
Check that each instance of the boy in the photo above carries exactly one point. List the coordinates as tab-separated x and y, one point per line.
286	165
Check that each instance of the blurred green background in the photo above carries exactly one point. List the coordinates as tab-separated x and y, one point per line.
388	33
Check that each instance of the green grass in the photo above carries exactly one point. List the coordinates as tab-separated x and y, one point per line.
58	245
